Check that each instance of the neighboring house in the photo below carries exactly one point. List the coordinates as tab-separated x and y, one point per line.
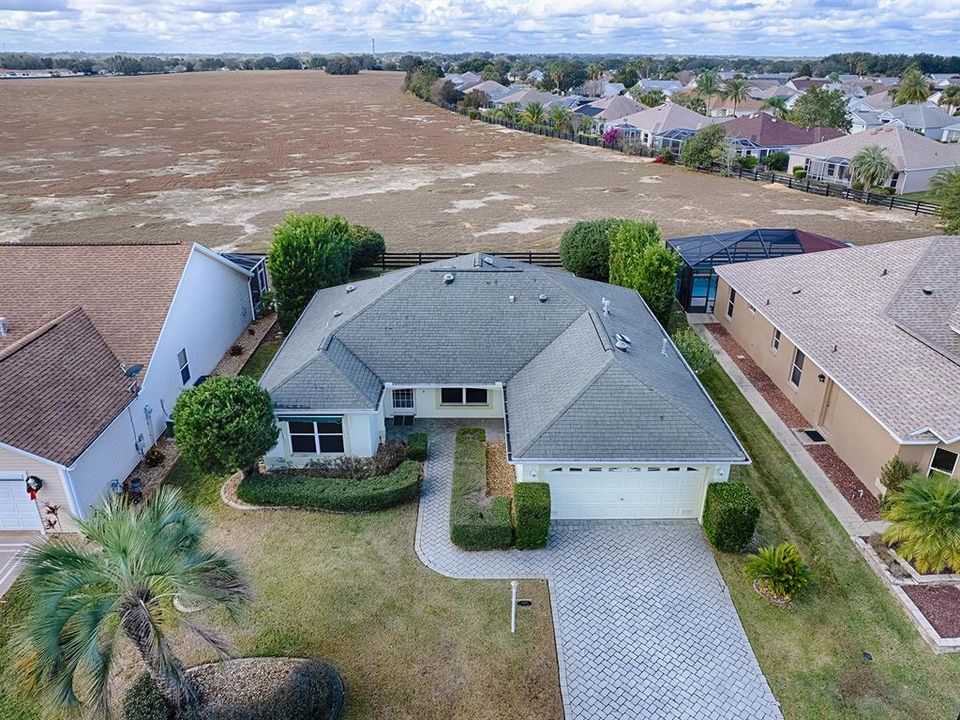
667	87
722	107
536	76
865	342
764	93
760	134
697	279
925	119
492	88
602	88
915	159
942	80
595	399
802	84
97	342
951	133
644	126
877	102
861	120
607	111
525	96
463	79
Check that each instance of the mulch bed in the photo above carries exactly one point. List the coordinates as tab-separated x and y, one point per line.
940	604
840	474
500	474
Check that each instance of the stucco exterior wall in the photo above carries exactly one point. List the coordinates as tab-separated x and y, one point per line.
110	457
362	434
427	404
53	490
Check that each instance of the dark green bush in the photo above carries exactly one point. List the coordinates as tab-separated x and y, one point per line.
730	516
417	446
747	162
531	514
585	248
144	701
777	161
366	247
476	521
338	494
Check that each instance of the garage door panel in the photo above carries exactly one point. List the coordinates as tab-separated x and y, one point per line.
625	494
17	510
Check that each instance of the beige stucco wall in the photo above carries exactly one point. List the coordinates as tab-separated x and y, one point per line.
427	404
52	492
859	440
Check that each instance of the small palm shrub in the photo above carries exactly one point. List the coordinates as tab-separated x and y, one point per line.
925	522
779	570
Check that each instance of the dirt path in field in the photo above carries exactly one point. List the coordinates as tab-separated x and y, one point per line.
220	157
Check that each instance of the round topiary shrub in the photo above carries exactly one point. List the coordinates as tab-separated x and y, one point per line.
366	246
730	515
144	701
585	248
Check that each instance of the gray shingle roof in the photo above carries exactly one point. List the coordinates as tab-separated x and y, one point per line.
569	393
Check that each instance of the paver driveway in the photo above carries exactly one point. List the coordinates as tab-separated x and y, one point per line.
644	625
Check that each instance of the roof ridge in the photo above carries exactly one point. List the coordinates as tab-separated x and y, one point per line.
41	330
95	243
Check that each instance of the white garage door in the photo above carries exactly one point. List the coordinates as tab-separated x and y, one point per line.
624	492
17	510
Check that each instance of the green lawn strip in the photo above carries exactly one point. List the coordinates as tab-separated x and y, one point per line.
337	494
812	652
477	522
12	703
922	196
261	357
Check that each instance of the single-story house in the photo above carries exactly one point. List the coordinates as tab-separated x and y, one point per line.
701	254
915	159
96	344
606	111
861	120
524	96
760	134
921	118
594	397
463	79
667	87
877	102
492	88
644	125
864	341
724	107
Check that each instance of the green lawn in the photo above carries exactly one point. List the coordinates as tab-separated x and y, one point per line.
812	652
922	195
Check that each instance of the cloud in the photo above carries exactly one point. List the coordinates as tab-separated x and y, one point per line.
757	27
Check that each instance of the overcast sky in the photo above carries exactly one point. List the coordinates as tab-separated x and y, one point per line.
755	27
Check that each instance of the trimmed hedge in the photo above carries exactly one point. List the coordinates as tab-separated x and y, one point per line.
417	446
476	521
585	248
366	246
531	514
730	515
338	494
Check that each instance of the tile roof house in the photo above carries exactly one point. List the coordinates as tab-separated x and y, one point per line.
646	125
761	134
524	96
586	381
864	341
915	159
98	341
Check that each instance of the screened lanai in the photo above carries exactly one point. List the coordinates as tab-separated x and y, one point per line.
697	281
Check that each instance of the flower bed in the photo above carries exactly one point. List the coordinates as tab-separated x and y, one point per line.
336	494
940	605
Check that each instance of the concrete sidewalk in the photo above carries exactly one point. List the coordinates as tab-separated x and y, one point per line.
854	525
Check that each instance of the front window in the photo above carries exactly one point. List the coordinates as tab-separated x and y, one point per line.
797	370
730	302
184	366
776	340
403	399
944	461
315	436
463	396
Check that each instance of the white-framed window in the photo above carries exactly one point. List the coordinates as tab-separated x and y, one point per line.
730	302
776	340
752	309
184	365
943	461
463	396
796	372
315	436
403	399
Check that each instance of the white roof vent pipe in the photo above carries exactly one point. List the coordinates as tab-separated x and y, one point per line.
448	279
663	350
4	327
605	305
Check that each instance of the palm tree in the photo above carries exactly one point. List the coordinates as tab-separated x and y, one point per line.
707	86
778	105
871	166
950	98
862	68
596	70
737	91
510	111
560	117
913	87
534	114
925	522
120	583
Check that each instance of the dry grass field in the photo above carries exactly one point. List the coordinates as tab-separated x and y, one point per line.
220	157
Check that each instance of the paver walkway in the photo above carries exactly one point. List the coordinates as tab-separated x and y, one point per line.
645	627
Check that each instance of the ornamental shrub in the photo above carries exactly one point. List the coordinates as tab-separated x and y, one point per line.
366	247
417	446
747	162
627	242
531	514
657	279
924	517
144	701
799	173
779	570
309	252
694	349
225	424
477	522
730	515
585	248
611	137
895	472
777	161
706	147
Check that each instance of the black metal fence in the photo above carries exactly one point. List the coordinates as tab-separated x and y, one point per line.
818	187
397	260
917	207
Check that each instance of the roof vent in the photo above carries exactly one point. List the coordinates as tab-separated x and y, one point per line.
513	298
622	345
795	291
883	274
605	304
351	288
663	349
337	313
488	261
4	327
448	279
928	289
542	298
621	336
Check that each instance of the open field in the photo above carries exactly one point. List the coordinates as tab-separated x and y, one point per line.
220	157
